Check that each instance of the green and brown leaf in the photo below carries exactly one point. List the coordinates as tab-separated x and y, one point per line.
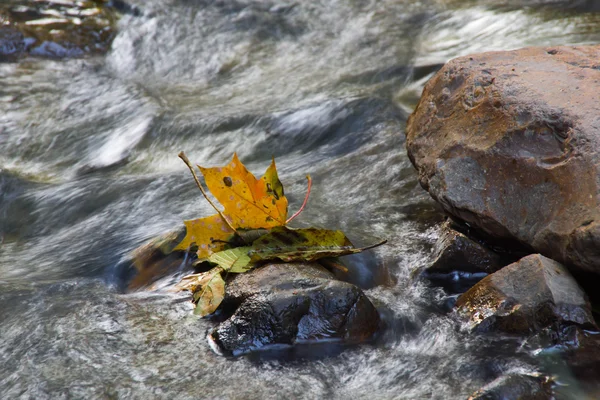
307	244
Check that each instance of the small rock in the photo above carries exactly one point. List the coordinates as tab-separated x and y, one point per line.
525	297
455	251
583	354
516	386
579	348
12	43
291	303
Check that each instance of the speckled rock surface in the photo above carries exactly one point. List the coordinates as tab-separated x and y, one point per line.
526	297
509	142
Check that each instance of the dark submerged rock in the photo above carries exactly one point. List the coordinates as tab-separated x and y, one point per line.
583	354
463	257
526	297
12	42
289	303
577	347
454	251
509	142
516	386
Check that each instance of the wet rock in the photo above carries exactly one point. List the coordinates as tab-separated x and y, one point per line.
461	260
125	8
454	251
516	387
583	354
577	347
289	303
526	297
55	28
155	260
12	43
509	142
572	354
582	357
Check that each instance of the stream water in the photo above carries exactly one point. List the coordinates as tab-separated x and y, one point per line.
89	171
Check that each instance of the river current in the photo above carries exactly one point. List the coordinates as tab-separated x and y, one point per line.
89	171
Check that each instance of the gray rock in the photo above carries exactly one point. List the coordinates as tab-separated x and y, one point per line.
289	303
526	297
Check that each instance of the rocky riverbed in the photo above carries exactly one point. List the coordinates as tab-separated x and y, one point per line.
57	28
506	143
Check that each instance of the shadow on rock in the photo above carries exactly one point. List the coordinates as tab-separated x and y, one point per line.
462	257
292	303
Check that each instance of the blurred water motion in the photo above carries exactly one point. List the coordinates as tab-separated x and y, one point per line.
89	171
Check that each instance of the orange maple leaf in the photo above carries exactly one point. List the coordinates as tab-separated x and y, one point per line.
249	203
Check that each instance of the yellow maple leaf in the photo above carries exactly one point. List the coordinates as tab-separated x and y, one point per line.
210	234
249	203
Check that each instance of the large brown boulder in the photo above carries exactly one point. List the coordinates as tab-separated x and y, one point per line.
526	297
510	143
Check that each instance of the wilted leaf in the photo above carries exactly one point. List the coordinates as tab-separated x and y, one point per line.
208	290
163	244
233	260
155	259
210	234
249	203
307	244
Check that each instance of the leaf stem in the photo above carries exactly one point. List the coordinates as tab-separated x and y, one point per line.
305	200
189	165
374	245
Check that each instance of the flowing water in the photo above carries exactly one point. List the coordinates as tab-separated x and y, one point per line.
89	171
